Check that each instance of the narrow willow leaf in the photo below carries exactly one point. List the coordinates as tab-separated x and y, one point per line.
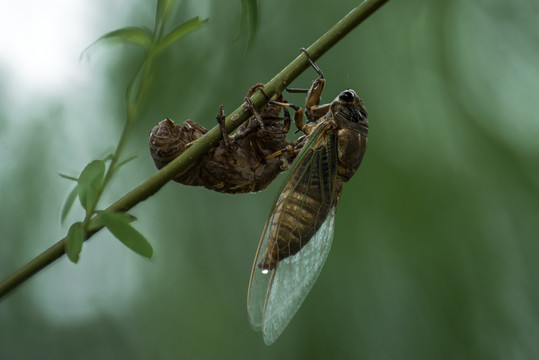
118	225
252	18
68	177
73	244
179	32
69	203
82	192
243	20
128	35
90	180
134	35
164	11
93	173
249	20
98	222
137	84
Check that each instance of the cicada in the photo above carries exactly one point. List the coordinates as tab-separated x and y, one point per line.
299	231
248	161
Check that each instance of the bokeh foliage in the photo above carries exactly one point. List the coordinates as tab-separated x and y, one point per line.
436	242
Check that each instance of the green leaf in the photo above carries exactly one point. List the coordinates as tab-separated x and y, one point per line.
179	32
73	244
118	225
252	11
134	93
243	20
68	177
163	12
97	222
249	20
90	181
93	173
87	196
69	203
128	35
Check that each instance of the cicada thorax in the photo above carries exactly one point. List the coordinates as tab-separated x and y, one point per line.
248	162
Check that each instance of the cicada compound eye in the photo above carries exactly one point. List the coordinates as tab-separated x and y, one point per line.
346	95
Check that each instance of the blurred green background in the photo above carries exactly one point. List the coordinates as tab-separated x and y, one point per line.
436	243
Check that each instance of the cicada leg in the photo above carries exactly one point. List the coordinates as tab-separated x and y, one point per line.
221	121
320	77
259	124
287	121
193	127
255	113
298	114
255	87
288	149
313	109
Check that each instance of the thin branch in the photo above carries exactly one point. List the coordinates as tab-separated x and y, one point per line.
202	145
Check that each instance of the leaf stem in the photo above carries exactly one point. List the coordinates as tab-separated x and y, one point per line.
202	145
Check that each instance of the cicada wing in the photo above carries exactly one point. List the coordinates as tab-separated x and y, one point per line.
275	296
293	279
259	285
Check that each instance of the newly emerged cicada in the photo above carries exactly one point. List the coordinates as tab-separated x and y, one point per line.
247	161
299	231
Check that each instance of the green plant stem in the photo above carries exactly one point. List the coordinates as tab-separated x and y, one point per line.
132	109
202	145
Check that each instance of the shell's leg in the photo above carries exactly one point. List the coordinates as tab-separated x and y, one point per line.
221	121
255	87
255	113
259	123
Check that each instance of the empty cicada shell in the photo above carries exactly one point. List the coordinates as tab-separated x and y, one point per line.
248	161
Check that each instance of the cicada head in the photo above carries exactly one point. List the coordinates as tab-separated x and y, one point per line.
349	111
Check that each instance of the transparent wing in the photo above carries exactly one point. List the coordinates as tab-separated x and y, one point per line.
258	286
275	296
293	279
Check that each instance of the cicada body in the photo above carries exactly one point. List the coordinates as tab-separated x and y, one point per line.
299	231
248	161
